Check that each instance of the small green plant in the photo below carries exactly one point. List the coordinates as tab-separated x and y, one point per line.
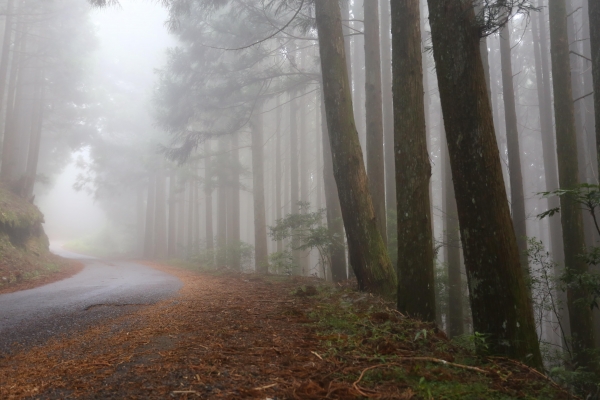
306	231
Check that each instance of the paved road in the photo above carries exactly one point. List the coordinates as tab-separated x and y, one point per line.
102	290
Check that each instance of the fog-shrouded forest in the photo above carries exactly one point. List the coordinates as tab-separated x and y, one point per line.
430	168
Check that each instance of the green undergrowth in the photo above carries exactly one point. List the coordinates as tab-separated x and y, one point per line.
357	328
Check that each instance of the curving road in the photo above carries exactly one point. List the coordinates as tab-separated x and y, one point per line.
102	290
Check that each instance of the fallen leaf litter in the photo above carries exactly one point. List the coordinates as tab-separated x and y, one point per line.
224	337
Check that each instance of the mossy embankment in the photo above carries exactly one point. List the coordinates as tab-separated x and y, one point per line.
25	258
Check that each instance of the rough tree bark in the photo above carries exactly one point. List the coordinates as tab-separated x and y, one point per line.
388	110
499	301
370	261
517	197
374	115
416	287
580	314
335	224
455	320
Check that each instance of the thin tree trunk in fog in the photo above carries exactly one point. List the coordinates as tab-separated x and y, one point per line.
455	321
369	257
172	239
9	142
149	235
542	69
358	63
374	115
160	219
335	223
304	171
181	212
6	40
196	219
190	217
258	192
222	209
416	287
319	152
499	301
139	222
233	213
594	17
278	170
517	197
345	4
294	176
388	112
36	132
208	195
580	315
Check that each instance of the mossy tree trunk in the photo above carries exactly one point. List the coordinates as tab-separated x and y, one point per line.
498	294
416	287
580	314
370	261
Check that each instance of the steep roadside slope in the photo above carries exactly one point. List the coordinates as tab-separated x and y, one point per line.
25	259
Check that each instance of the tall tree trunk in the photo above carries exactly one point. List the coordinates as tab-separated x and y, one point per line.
546	125
208	189
358	63
181	212
6	40
499	301
388	111
416	287
140	222
233	217
335	223
455	321
258	192
36	133
304	171
222	208
278	170
172	239
9	142
160	219
580	314
191	240
370	261
517	198
594	17
374	115
294	177
151	199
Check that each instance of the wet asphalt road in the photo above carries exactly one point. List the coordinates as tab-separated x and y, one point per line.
102	291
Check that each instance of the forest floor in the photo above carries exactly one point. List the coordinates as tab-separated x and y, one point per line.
237	336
